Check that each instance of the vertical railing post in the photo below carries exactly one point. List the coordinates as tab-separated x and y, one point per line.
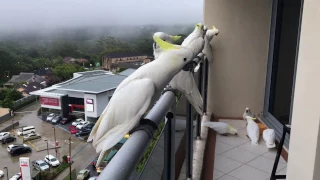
189	132
205	85
169	145
198	128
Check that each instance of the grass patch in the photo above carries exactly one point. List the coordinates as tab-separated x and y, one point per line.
54	172
73	175
147	153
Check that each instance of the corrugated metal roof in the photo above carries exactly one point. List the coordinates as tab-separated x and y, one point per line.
127	72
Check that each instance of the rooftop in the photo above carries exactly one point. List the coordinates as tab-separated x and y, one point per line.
124	54
89	82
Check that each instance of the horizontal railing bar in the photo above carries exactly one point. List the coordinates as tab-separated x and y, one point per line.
125	161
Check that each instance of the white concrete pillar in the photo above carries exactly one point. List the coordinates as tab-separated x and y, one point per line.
304	148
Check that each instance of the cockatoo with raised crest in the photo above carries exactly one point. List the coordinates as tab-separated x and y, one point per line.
138	92
165	37
184	81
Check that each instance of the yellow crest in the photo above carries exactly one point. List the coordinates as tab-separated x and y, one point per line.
164	45
214	27
175	38
199	25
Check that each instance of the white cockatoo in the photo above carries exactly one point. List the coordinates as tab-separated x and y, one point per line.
252	130
207	50
269	136
165	37
247	112
184	81
221	127
137	93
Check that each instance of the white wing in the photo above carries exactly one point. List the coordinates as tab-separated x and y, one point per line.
184	82
123	112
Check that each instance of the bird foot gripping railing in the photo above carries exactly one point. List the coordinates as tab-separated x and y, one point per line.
127	158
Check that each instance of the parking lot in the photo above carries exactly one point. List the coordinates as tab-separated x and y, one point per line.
39	146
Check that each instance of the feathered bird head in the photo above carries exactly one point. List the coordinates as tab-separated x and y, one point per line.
232	130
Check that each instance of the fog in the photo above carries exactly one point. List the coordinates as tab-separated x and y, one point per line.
20	15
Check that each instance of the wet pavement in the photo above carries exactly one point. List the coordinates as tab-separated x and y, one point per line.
39	146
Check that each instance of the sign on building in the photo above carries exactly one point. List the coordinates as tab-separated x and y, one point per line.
89	105
25	168
49	101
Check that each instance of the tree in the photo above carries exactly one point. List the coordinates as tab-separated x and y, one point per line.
7	103
51	80
144	45
65	72
14	95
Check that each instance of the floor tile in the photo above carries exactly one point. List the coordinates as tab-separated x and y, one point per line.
256	149
238	124
227	177
222	147
225	164
232	140
249	173
240	155
282	171
217	174
271	154
242	132
265	164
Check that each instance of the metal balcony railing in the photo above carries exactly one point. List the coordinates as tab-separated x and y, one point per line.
124	163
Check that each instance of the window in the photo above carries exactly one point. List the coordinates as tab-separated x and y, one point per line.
283	52
78	101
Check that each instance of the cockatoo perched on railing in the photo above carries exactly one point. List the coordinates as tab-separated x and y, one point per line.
165	37
184	81
252	130
138	92
221	128
207	50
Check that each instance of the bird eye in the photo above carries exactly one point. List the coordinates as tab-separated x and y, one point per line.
184	59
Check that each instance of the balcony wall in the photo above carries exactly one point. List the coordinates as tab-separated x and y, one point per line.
238	74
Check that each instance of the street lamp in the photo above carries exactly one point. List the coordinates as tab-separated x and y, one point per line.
47	150
55	140
7	172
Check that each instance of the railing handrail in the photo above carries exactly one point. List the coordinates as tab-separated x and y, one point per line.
125	161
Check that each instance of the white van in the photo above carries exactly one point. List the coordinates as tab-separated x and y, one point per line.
26	130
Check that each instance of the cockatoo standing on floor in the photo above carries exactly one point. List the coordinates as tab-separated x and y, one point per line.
221	127
138	92
269	136
252	130
207	50
247	112
184	81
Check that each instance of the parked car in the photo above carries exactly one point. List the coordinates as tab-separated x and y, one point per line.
77	121
83	132
40	165
26	130
20	150
3	135
67	119
56	119
72	129
94	162
29	137
50	117
89	126
11	146
82	124
51	160
8	139
83	174
17	176
1	173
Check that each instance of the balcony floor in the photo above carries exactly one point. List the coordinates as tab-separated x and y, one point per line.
237	159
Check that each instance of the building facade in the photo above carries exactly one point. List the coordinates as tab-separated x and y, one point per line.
111	61
266	58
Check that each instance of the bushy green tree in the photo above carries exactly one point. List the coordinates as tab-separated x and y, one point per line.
65	72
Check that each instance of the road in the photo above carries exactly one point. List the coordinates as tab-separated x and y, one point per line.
39	146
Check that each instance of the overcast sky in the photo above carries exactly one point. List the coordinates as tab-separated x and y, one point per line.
64	13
